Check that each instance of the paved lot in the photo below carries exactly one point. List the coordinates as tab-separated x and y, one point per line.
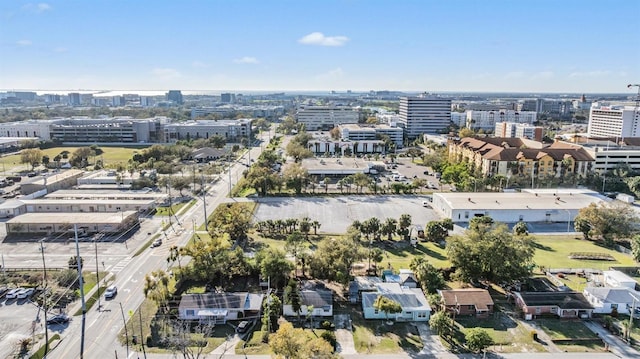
335	214
16	322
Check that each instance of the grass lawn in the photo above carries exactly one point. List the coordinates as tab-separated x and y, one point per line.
401	257
111	156
376	337
508	335
565	329
164	211
254	346
553	252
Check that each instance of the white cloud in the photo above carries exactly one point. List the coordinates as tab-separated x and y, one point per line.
246	60
596	73
199	64
23	43
318	38
60	49
165	73
38	8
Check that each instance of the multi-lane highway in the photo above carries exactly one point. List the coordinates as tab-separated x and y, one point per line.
103	326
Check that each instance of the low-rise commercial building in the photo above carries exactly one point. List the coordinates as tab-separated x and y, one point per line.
542	205
326	117
60	223
53	182
358	133
231	130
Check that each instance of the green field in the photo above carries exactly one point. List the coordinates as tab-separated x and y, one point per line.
110	156
553	252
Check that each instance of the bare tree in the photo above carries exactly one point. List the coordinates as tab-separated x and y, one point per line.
190	344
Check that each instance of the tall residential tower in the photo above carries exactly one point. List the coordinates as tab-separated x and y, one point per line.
424	114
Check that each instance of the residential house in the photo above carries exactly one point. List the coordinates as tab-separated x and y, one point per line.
412	300
606	299
467	302
320	299
617	279
406	278
361	284
220	307
562	304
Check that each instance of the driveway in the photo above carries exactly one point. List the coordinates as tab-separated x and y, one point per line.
431	342
616	345
344	334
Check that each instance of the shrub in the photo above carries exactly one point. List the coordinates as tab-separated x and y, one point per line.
534	335
330	337
326	325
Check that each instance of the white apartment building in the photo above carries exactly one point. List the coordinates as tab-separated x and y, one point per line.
459	119
487	120
613	120
232	130
520	130
424	114
355	132
326	117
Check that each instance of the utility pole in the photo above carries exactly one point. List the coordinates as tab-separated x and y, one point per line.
204	205
44	299
141	338
126	333
84	307
95	246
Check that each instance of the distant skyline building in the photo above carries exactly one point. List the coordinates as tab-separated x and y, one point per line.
424	114
175	96
74	99
519	130
227	98
613	121
487	120
118	101
146	101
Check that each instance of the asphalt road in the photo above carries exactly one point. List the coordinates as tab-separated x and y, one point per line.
102	327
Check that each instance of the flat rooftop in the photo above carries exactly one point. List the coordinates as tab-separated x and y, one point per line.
338	165
104	193
542	200
55	177
94	217
55	201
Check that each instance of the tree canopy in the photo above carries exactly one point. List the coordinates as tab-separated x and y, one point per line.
294	343
489	251
606	221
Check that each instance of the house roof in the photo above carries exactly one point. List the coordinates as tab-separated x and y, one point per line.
364	283
317	298
480	298
406	297
610	295
208	152
238	300
563	300
618	276
514	149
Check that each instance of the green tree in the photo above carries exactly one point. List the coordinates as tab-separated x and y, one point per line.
80	157
478	339
181	183
156	288
389	228
430	277
334	258
31	156
441	323
608	221
294	246
403	225
233	219
520	229
292	296
635	247
273	264
436	231
298	151
491	252
387	305
296	177
293	343
271	309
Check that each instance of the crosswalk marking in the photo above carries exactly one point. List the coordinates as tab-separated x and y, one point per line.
118	267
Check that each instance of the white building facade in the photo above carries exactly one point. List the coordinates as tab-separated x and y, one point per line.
486	120
326	117
424	114
354	132
232	130
613	121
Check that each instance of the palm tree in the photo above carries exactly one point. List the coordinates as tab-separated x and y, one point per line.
374	227
389	227
156	287
316	226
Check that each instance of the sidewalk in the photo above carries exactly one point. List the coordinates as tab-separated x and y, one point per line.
616	345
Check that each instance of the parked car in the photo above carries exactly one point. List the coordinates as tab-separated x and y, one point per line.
58	319
111	292
243	326
13	293
3	291
26	293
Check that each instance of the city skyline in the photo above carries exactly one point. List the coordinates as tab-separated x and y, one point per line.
454	46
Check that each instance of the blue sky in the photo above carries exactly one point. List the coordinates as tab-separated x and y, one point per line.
420	45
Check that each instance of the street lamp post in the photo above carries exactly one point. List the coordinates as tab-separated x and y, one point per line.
44	301
568	220
95	246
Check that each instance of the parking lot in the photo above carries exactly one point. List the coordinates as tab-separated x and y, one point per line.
335	214
18	318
